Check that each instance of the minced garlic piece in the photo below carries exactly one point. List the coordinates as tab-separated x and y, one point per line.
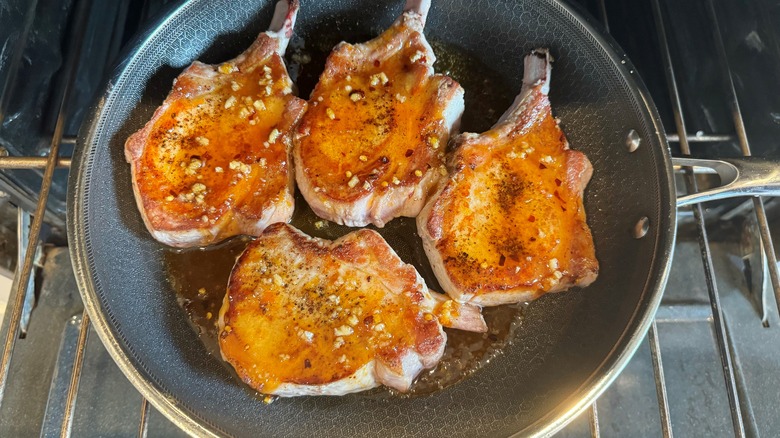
218	169
244	112
169	198
203	141
274	135
353	182
330	113
396	181
230	102
363	158
235	86
344	330
418	172
259	105
416	56
227	68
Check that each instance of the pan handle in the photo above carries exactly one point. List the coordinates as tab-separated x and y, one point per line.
748	176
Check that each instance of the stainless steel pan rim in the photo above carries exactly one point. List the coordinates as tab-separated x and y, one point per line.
548	425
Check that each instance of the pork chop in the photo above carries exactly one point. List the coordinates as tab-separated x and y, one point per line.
214	160
509	225
306	316
371	144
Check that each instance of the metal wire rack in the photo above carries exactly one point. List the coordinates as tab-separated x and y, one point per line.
20	289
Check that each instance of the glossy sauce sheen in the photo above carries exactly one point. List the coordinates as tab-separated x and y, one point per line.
213	152
530	211
199	276
380	121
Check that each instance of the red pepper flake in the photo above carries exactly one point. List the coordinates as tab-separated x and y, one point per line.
368	320
501	260
542	166
557	182
307	363
376	63
533	239
531	218
409	152
384	160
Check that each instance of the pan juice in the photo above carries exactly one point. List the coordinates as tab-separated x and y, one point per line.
199	276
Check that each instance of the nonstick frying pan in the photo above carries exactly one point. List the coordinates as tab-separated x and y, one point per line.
568	347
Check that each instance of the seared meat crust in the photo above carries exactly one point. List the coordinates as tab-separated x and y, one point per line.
306	316
371	145
509	225
214	160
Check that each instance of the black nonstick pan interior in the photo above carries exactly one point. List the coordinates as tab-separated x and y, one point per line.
568	346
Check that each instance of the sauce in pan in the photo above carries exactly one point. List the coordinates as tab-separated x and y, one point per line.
199	276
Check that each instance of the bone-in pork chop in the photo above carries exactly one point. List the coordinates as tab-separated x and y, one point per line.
371	145
306	316
214	160
509	225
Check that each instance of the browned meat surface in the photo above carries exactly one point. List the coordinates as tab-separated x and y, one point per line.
371	145
214	160
306	316
509	225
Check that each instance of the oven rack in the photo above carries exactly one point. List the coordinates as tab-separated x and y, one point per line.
28	240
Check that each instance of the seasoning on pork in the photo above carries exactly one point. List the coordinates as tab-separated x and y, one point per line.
371	144
509	225
214	160
306	316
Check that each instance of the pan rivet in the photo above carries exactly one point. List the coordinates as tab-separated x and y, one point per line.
641	228
633	140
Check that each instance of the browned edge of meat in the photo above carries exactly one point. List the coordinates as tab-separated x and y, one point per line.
510	225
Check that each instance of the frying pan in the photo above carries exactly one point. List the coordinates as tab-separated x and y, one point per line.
568	347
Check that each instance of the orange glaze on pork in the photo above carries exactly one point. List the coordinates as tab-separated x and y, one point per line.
303	311
376	124
510	223
215	156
